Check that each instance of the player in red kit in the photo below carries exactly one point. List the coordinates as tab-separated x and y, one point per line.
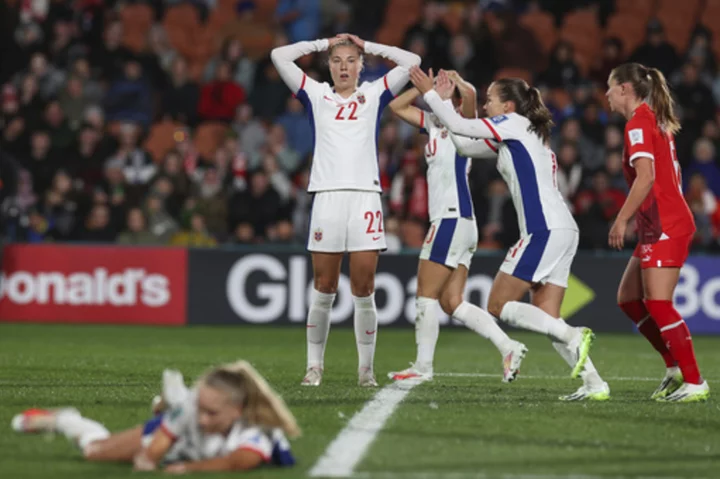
665	226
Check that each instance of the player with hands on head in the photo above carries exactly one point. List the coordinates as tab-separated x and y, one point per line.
347	214
452	239
519	128
664	223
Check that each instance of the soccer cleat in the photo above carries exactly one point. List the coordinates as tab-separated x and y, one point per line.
413	372
512	361
313	377
671	382
38	420
581	345
689	393
366	378
587	393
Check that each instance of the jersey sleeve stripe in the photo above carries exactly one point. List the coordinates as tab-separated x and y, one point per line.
387	87
495	133
256	450
422	119
640	154
302	83
490	145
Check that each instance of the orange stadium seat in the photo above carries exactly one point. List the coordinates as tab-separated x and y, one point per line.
640	9
677	29
208	137
161	139
137	19
582	29
686	9
542	25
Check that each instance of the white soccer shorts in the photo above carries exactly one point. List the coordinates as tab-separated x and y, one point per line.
451	241
346	221
543	257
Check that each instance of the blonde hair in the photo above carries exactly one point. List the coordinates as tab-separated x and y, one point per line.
262	406
346	42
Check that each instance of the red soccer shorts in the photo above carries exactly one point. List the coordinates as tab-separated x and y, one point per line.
667	253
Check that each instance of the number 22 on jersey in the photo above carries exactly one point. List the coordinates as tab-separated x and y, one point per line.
347	112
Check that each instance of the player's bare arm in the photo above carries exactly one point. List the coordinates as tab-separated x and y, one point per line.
638	192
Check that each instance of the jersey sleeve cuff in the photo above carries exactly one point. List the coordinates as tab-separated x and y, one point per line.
640	154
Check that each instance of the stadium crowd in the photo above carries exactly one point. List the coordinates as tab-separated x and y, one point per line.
164	122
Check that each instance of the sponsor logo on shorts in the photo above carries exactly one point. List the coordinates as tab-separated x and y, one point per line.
317	235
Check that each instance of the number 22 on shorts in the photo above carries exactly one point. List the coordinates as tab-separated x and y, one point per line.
375	224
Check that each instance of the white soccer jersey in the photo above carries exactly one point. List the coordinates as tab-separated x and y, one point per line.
524	161
191	444
345	130
447	174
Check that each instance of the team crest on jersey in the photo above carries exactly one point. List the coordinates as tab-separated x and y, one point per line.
318	235
361	99
498	119
444	134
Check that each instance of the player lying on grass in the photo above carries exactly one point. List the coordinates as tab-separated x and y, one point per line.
519	128
231	420
452	239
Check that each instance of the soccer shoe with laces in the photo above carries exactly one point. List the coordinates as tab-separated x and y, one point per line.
39	420
689	393
512	361
413	372
580	345
671	382
313	377
588	393
366	378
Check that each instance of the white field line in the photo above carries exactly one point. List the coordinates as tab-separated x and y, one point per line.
480	475
350	446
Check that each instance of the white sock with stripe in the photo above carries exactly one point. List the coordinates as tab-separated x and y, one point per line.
532	318
427	330
365	322
318	327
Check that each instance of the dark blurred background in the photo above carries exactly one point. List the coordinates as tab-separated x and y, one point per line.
164	122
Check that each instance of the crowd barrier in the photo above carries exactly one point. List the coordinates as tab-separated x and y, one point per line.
175	287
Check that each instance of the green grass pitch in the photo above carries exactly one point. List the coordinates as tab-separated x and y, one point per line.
461	426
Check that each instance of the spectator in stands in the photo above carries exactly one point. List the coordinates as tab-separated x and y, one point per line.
612	56
408	193
129	98
220	98
296	126
57	126
282	233
593	123
433	34
569	172
260	206
62	45
249	130
302	202
160	47
210	203
704	205
160	223
31	105
136	232
42	162
137	163
196	235
270	93
180	99
656	51
614	169
595	208
97	227
700	54
705	163
49	78
241	67
696	100
60	207
516	46
288	160
172	169
589	153
73	102
562	72
299	18
110	56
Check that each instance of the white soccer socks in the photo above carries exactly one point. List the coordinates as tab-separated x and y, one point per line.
318	327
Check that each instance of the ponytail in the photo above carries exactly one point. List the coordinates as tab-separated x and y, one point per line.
649	85
528	103
261	405
662	102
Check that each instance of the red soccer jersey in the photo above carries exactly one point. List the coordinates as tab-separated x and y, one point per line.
664	213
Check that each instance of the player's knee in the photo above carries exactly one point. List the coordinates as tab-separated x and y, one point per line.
495	306
363	288
326	285
449	302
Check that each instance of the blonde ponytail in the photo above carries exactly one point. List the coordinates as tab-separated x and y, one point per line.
662	102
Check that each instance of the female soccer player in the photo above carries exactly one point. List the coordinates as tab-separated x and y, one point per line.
347	212
519	127
665	226
452	239
231	420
